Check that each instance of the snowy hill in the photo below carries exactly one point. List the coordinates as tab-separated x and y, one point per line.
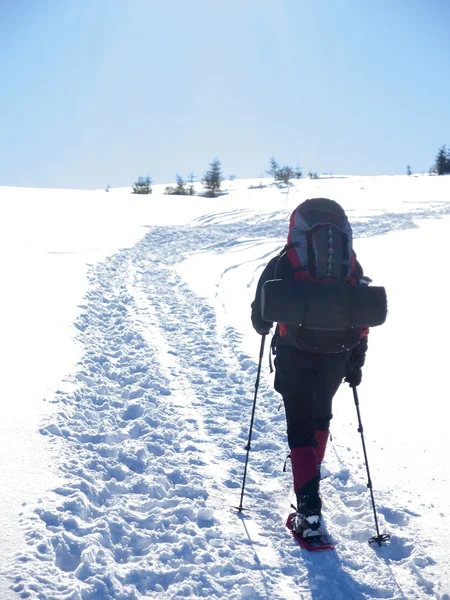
129	364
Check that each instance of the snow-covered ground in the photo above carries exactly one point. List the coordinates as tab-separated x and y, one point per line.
129	364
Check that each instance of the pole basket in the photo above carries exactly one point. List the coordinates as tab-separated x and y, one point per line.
379	539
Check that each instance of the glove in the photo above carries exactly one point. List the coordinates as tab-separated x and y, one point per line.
356	363
354	377
263	330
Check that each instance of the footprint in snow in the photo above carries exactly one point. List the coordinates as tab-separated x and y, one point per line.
397	549
133	411
396	517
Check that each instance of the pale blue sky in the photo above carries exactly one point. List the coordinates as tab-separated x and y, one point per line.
97	92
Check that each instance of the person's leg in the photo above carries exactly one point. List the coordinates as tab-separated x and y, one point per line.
331	372
295	380
321	437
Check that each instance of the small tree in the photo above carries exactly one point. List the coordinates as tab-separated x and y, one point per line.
442	162
298	174
191	188
274	168
181	186
213	178
408	169
143	185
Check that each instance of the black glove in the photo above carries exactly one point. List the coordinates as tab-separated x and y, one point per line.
354	377
263	330
356	363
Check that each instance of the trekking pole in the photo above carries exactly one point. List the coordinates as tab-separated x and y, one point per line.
379	538
261	352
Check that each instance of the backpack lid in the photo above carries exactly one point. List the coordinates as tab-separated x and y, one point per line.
320	211
320	240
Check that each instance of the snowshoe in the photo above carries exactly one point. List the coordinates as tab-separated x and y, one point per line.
307	526
308	532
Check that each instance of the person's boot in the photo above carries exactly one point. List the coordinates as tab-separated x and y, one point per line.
307	521
321	437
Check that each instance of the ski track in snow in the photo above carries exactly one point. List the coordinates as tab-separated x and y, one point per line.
152	447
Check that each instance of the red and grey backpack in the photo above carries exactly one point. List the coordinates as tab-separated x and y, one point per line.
319	248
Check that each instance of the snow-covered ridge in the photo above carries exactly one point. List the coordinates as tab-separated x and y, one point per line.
149	426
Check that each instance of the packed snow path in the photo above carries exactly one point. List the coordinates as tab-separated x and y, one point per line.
151	444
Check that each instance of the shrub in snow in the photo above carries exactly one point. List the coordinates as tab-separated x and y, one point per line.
283	174
180	189
143	185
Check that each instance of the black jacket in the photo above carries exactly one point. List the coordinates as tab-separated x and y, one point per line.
258	322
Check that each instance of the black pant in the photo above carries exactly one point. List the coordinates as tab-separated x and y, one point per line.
308	383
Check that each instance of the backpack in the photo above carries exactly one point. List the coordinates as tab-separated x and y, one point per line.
319	248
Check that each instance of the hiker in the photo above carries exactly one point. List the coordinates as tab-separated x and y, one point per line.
310	365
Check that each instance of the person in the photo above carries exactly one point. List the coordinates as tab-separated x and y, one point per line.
311	365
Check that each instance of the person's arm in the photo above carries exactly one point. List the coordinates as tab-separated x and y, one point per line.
359	272
362	280
356	362
261	326
358	269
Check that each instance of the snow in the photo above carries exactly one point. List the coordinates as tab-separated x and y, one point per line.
129	365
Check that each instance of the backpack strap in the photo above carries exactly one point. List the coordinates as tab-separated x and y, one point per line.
344	272
282	254
288	247
312	267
